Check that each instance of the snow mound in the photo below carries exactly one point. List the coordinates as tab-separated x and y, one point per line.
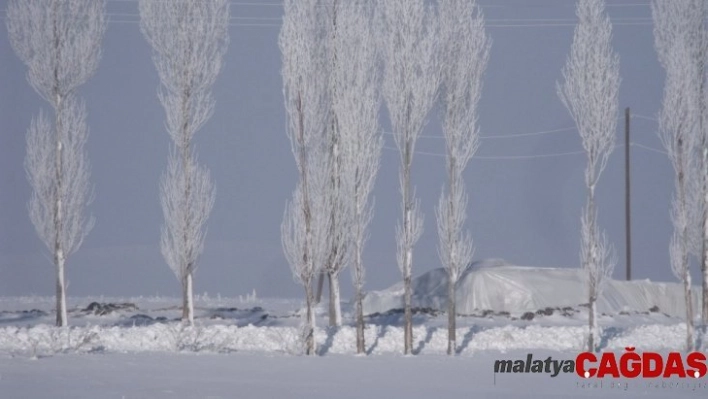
498	286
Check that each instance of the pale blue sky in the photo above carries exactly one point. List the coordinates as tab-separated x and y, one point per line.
524	210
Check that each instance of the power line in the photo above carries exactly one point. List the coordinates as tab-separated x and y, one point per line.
649	118
536	156
134	22
231	24
627	19
540	133
560	25
498	157
501	136
279	4
432	154
530	156
233	3
570	21
645	147
135	15
495	23
113	21
570	5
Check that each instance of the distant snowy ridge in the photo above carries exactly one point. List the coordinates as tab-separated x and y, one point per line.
498	286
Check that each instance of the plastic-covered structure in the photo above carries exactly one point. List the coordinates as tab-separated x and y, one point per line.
498	286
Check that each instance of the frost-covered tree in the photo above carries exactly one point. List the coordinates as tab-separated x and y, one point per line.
408	34
590	93
339	209
465	52
306	226
356	101
685	21
187	197
703	135
305	233
60	42
189	40
339	204
677	34
702	61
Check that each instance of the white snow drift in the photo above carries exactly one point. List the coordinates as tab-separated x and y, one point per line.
498	286
153	325
44	340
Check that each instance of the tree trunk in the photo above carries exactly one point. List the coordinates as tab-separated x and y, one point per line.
185	306
704	262
451	318
187	301
408	207
592	323
320	287
408	314
310	322
704	252
360	343
59	256
704	311
689	311
62	319
593	266
335	307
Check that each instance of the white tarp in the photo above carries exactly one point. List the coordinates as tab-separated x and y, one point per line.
498	286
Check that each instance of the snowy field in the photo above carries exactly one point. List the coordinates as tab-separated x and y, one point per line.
249	375
248	348
271	326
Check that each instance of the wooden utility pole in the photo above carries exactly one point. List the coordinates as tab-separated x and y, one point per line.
627	202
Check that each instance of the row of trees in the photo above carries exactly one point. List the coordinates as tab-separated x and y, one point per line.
590	92
341	61
681	40
431	53
60	42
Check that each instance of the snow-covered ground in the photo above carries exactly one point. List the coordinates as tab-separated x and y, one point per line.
248	375
136	348
117	325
